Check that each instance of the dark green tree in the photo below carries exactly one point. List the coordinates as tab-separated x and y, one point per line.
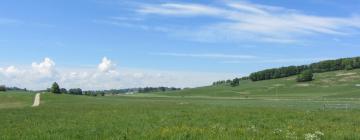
305	76
63	90
75	91
2	88
235	82
348	64
55	88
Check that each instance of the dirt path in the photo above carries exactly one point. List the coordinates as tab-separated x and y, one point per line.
36	100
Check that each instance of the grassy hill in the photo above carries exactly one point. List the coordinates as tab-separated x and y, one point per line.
337	84
280	109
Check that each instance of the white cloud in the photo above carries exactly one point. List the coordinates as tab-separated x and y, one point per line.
45	68
245	21
106	65
10	71
180	9
105	76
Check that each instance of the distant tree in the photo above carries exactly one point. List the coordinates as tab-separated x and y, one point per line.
235	82
75	91
55	88
63	90
2	88
348	64
305	76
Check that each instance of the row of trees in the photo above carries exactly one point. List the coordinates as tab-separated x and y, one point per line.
233	82
55	88
333	65
323	66
277	73
4	88
304	72
156	89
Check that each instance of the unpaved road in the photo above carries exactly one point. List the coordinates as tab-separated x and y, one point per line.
36	100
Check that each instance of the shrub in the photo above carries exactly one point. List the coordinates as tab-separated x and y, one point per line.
75	91
305	76
2	88
63	90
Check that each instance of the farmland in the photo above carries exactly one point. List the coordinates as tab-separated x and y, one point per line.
220	112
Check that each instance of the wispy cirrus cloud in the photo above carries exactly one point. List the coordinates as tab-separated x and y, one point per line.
181	9
246	21
277	60
206	55
5	21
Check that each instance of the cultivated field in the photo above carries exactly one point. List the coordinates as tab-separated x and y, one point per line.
276	109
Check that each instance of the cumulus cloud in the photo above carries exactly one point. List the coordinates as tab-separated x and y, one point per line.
10	71
45	68
105	76
106	65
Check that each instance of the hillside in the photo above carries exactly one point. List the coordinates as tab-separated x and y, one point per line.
336	84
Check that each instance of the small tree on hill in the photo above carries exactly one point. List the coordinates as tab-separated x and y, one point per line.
55	88
235	82
305	76
2	88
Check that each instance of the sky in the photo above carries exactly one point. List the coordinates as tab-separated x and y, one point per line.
112	44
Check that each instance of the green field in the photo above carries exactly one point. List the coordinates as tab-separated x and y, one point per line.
338	84
327	108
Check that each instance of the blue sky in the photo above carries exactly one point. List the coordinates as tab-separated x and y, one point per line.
179	43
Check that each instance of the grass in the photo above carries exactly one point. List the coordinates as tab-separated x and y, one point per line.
250	111
82	117
15	99
338	84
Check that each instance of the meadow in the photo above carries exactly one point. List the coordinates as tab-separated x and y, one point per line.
272	110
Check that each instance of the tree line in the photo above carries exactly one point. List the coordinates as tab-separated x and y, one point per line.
4	88
55	88
304	72
156	89
319	67
233	82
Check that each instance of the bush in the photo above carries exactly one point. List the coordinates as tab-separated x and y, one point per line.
2	88
75	91
305	76
63	90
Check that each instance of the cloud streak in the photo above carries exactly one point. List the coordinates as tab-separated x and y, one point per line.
268	60
6	21
180	10
206	55
242	21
